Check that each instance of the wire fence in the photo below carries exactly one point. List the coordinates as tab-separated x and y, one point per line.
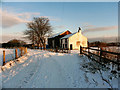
12	54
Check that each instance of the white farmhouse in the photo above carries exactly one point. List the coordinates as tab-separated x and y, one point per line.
74	41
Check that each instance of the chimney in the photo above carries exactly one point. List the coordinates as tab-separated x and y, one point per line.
79	30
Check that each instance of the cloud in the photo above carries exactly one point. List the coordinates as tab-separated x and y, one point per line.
27	15
95	29
104	39
11	19
87	25
8	37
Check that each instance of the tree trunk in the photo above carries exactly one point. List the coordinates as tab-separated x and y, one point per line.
41	46
44	46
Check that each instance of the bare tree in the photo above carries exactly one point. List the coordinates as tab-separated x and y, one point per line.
37	30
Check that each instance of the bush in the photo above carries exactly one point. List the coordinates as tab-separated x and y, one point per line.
13	43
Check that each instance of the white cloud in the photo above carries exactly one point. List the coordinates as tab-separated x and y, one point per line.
95	29
27	15
10	19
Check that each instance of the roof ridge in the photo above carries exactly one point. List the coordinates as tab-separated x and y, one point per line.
69	35
58	34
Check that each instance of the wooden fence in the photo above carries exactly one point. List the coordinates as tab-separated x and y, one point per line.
22	52
88	51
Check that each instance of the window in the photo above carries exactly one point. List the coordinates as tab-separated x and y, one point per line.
78	43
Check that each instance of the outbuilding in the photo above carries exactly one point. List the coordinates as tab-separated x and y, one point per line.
54	41
74	41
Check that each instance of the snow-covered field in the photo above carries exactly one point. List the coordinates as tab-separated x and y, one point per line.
109	48
43	69
9	54
112	49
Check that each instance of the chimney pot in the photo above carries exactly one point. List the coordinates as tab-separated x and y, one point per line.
79	29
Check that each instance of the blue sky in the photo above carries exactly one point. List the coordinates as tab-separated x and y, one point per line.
97	19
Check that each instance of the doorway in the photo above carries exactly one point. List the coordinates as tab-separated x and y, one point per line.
70	46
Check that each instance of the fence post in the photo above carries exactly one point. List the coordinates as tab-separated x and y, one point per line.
88	49
100	54
88	52
26	50
80	49
16	55
118	60
98	51
3	57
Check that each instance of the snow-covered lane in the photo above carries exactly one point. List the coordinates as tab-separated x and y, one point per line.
53	72
43	69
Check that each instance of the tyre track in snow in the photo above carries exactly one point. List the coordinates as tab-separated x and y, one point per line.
72	82
50	74
36	73
60	70
65	76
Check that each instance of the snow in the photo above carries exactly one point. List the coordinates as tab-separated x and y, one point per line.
69	35
44	69
75	51
9	54
110	48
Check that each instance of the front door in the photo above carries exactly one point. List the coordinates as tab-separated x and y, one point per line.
70	46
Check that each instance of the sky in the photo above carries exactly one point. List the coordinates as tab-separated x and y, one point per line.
97	19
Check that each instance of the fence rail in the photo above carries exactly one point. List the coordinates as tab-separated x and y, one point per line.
22	50
100	54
